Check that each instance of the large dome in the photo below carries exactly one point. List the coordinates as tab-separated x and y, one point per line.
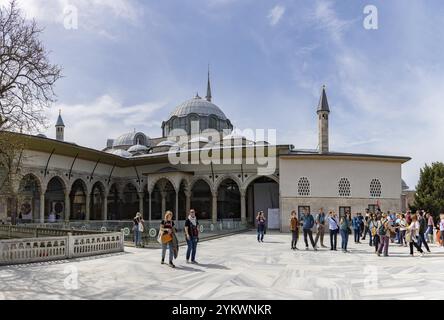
198	106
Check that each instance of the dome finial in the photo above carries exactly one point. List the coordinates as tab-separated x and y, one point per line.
197	96
209	97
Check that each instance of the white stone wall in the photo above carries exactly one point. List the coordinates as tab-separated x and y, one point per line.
324	177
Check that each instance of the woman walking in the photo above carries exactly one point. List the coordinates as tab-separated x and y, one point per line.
333	226
294	228
260	226
192	236
412	235
167	231
374	225
430	224
345	224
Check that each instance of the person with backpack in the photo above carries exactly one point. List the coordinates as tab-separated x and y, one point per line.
320	223
294	228
345	224
261	220
307	226
422	229
356	223
412	235
192	236
333	226
384	232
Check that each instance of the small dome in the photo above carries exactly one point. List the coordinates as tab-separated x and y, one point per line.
138	148
198	106
41	135
120	153
131	139
235	135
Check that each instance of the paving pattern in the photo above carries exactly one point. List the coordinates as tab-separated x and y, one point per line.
235	267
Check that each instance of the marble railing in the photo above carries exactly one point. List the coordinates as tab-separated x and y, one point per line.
19	251
11	232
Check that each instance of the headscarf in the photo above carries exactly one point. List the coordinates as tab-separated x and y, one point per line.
193	220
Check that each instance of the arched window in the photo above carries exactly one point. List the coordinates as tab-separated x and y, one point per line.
375	189
212	123
344	188
304	187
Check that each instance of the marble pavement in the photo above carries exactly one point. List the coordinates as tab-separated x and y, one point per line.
234	267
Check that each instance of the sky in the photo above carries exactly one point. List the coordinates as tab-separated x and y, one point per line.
128	63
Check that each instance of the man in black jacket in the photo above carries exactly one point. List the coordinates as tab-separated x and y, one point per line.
422	229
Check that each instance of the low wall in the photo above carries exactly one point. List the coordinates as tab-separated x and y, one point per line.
19	251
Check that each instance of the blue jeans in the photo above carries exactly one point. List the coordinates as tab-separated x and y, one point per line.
344	237
260	234
168	245
357	234
137	237
192	248
421	241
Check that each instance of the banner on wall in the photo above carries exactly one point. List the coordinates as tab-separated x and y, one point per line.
25	212
274	221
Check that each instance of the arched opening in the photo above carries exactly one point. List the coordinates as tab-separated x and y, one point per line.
114	203
201	199
130	203
228	200
163	198
29	199
78	200
262	194
55	200
97	201
182	198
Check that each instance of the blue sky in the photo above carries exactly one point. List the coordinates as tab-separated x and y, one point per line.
130	62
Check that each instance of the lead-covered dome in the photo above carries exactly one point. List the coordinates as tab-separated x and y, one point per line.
198	106
199	111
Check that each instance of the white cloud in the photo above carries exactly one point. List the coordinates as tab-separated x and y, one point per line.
92	14
276	14
92	123
325	17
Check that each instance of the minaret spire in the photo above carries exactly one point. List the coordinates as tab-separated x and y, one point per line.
209	97
323	114
60	128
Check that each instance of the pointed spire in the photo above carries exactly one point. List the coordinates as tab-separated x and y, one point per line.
59	122
323	102
209	97
197	96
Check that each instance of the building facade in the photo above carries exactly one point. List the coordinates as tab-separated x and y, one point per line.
61	181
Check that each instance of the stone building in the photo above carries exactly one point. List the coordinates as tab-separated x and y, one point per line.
135	173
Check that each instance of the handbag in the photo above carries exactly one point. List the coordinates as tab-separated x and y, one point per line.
408	236
166	238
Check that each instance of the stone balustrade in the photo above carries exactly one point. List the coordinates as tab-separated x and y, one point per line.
10	232
19	251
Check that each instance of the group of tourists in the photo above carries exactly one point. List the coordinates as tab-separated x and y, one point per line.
413	230
167	236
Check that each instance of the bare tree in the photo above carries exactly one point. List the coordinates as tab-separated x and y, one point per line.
27	78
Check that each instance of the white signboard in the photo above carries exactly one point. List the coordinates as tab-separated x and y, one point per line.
274	221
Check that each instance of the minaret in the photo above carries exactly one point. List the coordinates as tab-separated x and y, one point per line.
209	97
323	112
60	128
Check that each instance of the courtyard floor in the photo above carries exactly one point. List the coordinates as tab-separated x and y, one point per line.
235	267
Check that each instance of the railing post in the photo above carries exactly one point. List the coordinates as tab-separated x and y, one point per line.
70	244
122	240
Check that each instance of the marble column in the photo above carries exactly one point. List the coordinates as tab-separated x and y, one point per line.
141	199
42	207
188	201
214	209
163	195
105	208
177	208
243	209
88	207
149	205
67	207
